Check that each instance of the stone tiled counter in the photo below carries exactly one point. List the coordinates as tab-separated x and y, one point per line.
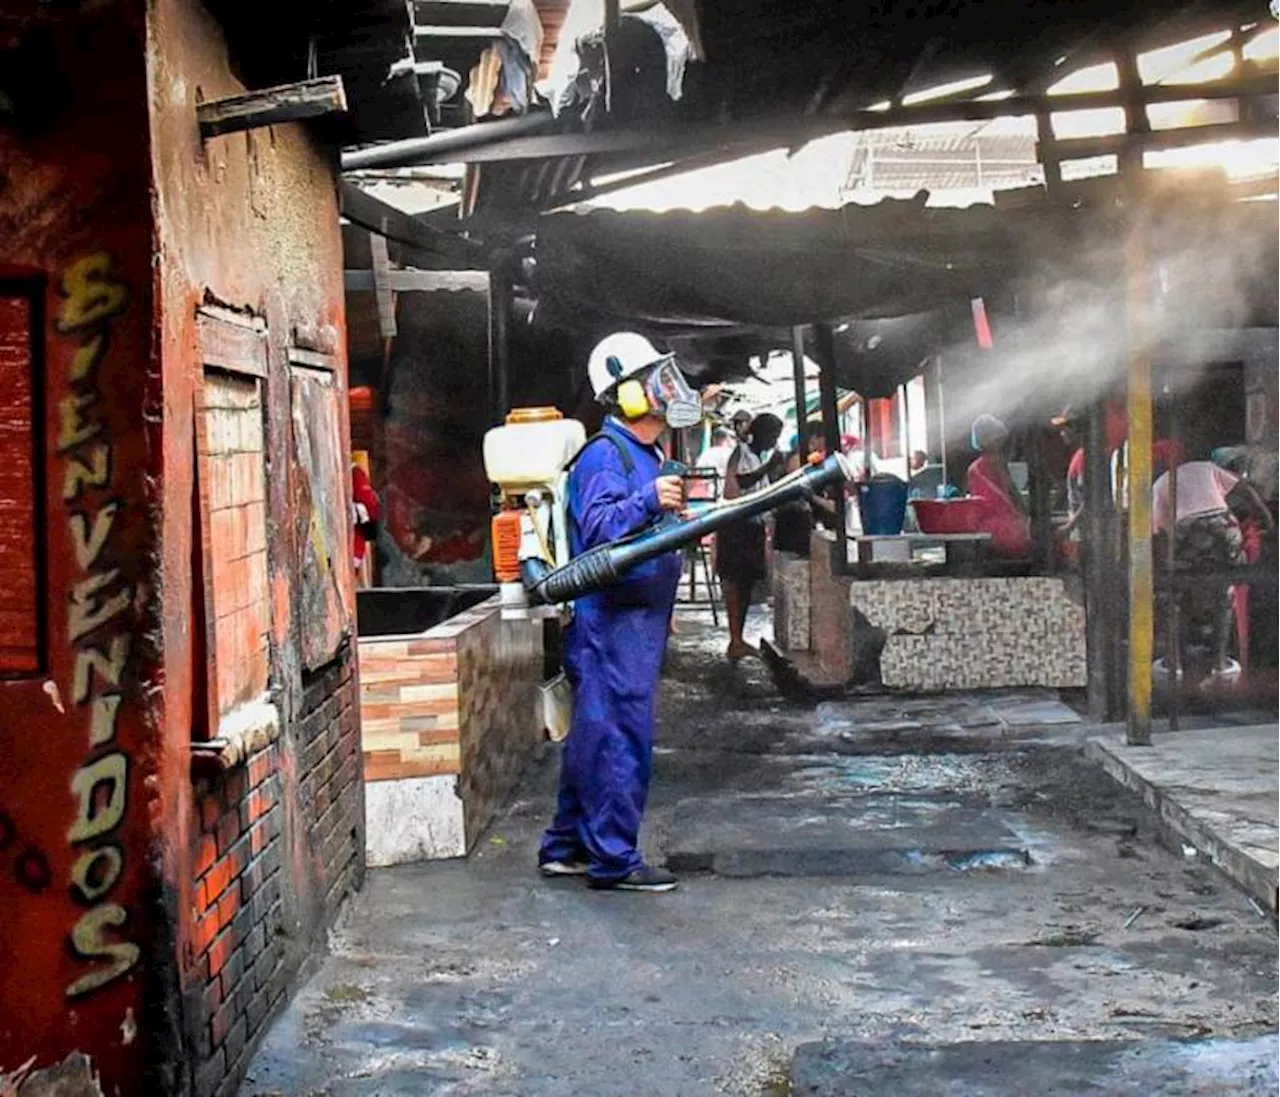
449	719
975	633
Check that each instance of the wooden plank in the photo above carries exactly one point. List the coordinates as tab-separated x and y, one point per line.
1131	145
314	359
284	103
421	281
377	216
234	343
202	581
382	286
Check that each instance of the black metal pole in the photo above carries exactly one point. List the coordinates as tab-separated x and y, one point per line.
448	144
1173	644
825	348
1041	503
499	339
1096	565
802	395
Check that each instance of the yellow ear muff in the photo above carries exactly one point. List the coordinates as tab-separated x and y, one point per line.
632	400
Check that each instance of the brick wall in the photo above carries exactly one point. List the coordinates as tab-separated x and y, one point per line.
331	790
237	971
233	468
254	921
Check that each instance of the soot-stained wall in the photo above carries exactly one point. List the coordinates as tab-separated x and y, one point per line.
258	854
181	806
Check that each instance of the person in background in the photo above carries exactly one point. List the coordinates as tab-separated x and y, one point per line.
366	513
714	458
1068	532
740	547
927	477
851	447
793	523
1207	535
1004	513
614	646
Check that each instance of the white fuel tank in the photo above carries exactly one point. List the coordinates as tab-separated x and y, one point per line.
531	448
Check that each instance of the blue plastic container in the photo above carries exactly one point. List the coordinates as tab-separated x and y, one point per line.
883	506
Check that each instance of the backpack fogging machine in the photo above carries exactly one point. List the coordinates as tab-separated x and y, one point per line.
528	459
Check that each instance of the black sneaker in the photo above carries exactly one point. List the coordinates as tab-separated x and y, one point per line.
643	879
553	869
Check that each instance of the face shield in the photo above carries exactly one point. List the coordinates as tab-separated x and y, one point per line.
670	395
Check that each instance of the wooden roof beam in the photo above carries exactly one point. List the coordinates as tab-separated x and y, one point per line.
378	217
271	106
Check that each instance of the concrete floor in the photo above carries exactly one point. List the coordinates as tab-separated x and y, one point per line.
960	890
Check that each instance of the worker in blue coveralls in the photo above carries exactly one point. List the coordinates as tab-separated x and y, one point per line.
614	647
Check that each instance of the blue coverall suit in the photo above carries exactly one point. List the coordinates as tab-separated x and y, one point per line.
613	653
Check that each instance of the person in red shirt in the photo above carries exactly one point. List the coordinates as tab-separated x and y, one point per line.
366	512
1004	514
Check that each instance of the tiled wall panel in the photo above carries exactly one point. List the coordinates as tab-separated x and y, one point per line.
459	700
954	634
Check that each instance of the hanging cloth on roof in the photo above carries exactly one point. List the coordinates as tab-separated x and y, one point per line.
515	77
520	49
674	41
523	27
482	83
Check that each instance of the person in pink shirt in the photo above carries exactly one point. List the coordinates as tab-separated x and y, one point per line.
1206	534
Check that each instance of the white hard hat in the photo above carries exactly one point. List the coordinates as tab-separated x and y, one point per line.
619	356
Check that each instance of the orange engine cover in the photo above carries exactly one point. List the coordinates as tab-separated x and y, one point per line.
506	546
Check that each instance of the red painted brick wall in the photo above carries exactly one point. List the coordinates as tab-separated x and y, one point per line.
78	894
20	624
156	911
239	958
236	968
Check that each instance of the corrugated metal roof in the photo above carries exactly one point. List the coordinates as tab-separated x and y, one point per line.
960	160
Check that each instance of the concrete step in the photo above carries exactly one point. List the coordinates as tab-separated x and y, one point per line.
1217	789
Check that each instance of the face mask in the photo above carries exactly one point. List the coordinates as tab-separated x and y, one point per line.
669	393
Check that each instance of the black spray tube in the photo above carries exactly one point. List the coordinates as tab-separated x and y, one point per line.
603	565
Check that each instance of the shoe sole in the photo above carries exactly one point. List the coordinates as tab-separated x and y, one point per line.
560	872
655	888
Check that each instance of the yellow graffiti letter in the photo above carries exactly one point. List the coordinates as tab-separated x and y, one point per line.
111	770
87	357
89	545
89	941
92	294
108	667
87	611
96	872
92	469
74	429
102	729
